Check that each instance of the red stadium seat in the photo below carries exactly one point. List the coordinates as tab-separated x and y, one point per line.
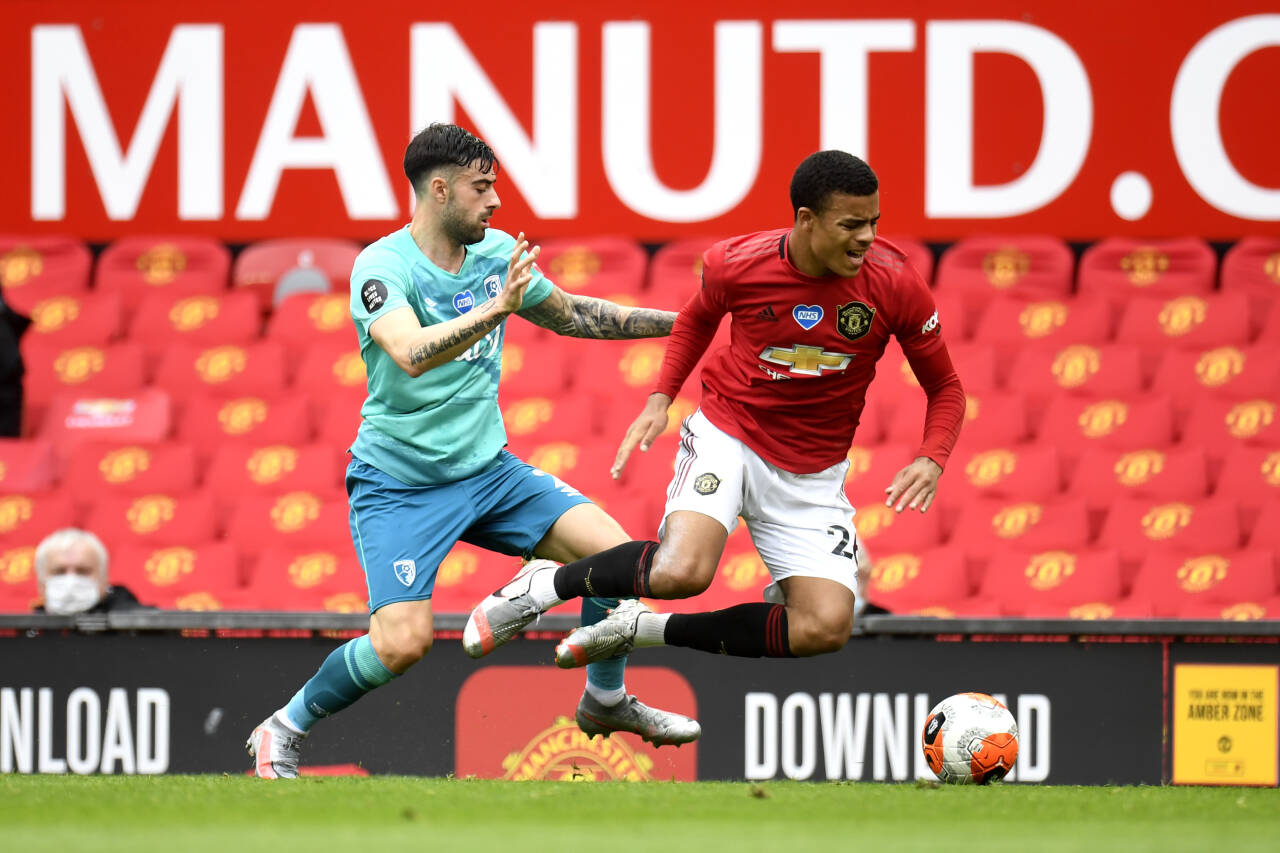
1063	583
886	531
239	469
1103	475
606	267
895	381
25	519
675	273
1137	526
160	575
1074	423
1119	268
299	517
338	418
34	269
986	527
990	420
1040	372
1219	424
1178	582
622	368
96	469
872	468
1028	471
135	266
531	421
111	370
164	318
26	466
308	577
251	370
932	582
541	368
209	421
331	367
273	269
1025	266
1231	372
1264	532
1010	324
918	254
1252	267
19	592
1193	321
141	416
1250	476
76	319
303	319
155	519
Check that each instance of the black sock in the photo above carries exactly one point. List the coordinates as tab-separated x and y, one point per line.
745	630
620	572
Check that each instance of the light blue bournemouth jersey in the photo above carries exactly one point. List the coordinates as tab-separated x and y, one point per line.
444	425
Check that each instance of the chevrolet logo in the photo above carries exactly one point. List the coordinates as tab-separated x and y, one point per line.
806	360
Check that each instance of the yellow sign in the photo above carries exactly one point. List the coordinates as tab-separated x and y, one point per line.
1224	724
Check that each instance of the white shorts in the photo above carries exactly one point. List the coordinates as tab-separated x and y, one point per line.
801	524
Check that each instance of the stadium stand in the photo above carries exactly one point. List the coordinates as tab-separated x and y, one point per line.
75	319
26	465
933	582
272	270
611	268
1121	268
1030	267
164	319
35	269
303	319
1252	267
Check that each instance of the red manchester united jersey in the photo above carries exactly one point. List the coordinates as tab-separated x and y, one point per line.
792	382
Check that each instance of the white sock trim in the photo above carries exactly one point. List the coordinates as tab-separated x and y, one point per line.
282	717
606	696
542	588
651	629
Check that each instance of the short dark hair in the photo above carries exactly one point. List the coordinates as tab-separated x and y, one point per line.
827	172
442	144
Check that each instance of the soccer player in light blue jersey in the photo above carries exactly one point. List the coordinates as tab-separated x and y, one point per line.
428	465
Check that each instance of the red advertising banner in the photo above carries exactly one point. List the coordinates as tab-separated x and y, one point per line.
652	119
516	722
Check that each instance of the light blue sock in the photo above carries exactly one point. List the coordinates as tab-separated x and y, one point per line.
604	678
349	672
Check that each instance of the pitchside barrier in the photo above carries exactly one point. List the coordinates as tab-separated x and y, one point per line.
1126	702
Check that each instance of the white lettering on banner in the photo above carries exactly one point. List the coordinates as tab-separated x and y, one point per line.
317	62
544	165
843	47
784	735
628	155
92	744
1194	118
1064	140
190	76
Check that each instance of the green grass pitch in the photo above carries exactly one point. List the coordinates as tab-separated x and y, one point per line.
372	815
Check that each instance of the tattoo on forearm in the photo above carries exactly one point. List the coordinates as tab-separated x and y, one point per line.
464	336
588	317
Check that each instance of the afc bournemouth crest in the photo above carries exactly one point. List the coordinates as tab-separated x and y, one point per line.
853	320
706	484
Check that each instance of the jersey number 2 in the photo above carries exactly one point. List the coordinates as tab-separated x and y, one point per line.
842	547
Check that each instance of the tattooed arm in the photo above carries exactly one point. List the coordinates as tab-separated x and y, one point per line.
417	348
587	317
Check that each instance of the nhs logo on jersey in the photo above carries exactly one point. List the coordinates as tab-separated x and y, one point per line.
492	284
464	301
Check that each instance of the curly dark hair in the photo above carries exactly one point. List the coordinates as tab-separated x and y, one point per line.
827	172
442	144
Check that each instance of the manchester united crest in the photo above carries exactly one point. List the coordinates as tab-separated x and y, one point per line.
853	320
706	484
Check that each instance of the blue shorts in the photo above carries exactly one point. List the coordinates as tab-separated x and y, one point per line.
402	533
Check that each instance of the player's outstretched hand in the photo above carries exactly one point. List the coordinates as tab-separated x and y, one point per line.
914	486
519	274
651	423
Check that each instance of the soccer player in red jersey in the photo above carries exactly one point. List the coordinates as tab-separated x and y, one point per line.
813	307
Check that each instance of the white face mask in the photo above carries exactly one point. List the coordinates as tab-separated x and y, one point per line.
67	594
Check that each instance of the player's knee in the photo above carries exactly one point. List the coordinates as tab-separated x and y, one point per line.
819	636
403	646
678	575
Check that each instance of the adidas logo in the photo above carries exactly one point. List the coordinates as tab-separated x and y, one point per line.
766	313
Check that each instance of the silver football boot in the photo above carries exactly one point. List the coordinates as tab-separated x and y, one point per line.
503	614
274	749
658	727
613	635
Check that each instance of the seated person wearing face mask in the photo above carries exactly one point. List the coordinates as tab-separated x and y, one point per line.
71	568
